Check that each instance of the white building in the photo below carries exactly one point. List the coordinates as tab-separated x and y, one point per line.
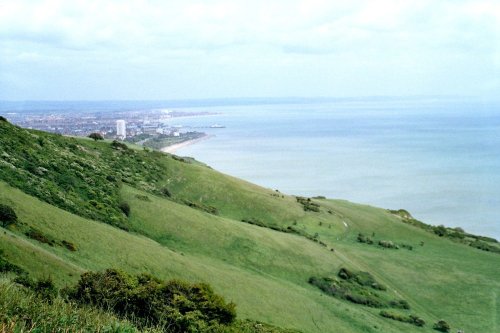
121	129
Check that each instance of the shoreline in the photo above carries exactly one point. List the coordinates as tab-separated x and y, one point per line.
176	146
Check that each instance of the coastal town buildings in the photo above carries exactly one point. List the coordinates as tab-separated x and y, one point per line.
121	129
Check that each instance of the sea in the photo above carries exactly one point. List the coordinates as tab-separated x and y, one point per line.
437	157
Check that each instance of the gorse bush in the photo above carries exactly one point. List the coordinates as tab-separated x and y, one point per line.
7	215
181	306
442	326
357	287
411	319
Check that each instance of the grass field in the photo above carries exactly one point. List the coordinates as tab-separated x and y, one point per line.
263	268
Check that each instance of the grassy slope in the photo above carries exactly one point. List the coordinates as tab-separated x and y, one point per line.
265	271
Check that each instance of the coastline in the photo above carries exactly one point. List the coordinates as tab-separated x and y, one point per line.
173	148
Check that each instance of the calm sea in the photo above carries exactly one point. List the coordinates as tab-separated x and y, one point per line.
437	158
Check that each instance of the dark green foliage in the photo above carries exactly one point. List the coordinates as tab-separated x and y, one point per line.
39	236
7	215
364	239
388	244
440	230
96	136
70	246
119	145
400	304
45	289
3	119
407	246
182	306
411	319
484	246
25	280
308	204
357	287
205	208
441	326
165	191
125	208
361	278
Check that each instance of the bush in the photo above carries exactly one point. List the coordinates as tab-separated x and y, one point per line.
7	215
96	136
411	319
118	145
166	192
70	246
182	306
400	304
388	244
364	239
442	326
125	208
39	236
45	289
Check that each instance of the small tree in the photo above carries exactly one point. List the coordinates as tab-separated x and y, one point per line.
96	136
7	215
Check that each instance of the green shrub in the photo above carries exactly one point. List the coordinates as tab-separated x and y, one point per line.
442	326
96	136
7	215
165	191
364	239
388	244
308	204
400	304
411	319
70	246
39	236
182	306
118	145
440	230
125	208
45	289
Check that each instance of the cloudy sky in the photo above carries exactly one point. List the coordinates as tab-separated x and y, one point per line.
134	49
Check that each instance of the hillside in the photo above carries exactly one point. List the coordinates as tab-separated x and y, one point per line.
85	205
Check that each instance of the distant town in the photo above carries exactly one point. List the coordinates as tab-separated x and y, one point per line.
150	128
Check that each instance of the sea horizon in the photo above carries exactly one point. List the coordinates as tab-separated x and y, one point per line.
432	155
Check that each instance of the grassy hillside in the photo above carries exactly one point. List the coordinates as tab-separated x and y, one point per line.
255	246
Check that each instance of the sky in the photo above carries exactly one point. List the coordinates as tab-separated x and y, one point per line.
139	50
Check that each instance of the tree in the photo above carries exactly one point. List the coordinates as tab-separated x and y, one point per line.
96	136
7	215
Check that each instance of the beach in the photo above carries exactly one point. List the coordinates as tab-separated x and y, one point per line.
173	148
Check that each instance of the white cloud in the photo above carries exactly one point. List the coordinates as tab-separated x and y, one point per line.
413	38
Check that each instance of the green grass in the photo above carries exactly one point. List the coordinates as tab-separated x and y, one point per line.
264	271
